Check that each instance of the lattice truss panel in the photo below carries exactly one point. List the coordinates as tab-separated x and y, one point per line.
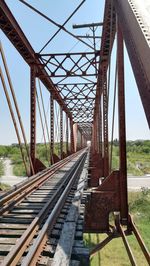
71	64
72	74
75	67
86	129
80	99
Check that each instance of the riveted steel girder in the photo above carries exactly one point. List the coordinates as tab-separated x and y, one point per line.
12	30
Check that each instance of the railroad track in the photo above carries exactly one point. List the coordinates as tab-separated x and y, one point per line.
31	213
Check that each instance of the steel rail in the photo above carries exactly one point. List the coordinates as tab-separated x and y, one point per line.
17	251
36	248
11	199
16	187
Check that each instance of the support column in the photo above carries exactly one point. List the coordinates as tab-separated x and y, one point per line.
72	136
33	115
122	129
61	133
82	142
75	136
67	135
94	134
100	129
105	122
52	127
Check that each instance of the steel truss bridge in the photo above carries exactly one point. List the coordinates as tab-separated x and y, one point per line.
43	219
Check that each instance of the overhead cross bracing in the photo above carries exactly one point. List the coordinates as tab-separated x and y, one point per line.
79	86
53	69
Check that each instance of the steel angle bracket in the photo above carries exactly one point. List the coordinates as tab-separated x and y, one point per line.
102	201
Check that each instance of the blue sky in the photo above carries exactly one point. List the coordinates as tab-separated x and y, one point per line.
38	32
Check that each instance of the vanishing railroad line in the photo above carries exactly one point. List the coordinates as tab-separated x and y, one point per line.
28	215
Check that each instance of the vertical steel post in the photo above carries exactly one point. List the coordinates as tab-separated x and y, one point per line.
52	127
94	135
75	136
67	134
71	136
97	122
33	115
82	145
61	133
100	128
105	122
122	128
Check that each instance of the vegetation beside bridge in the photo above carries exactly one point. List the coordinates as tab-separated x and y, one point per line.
114	251
138	156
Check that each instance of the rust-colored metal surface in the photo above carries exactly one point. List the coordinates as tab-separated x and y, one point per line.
134	29
102	201
33	115
78	84
122	129
95	169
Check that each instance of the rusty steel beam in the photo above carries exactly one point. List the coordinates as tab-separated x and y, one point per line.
72	148
60	28
75	136
87	25
134	29
61	133
88	37
108	33
12	30
33	115
52	127
127	246
68	74
67	136
140	240
122	129
67	55
105	122
100	129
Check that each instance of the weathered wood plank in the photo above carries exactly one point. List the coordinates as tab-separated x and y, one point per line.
16	221
12	233
25	211
5	248
30	205
6	240
13	226
19	216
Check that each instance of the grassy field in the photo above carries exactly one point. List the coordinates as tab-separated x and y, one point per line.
13	152
114	252
138	159
4	187
138	156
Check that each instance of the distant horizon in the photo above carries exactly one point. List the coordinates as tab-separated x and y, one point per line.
15	143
